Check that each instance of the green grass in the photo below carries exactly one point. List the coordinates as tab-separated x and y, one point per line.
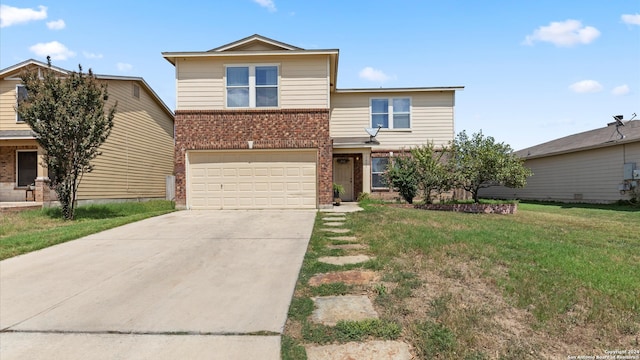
346	331
566	267
26	231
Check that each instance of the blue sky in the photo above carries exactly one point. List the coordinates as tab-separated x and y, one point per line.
533	70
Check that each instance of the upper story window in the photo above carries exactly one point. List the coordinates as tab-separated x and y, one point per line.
136	91
391	113
21	94
252	86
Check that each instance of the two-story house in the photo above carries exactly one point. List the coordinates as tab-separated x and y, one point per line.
136	158
261	124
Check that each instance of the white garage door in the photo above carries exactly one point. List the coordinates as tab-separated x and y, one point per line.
252	180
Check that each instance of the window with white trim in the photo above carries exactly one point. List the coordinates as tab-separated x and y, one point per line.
26	167
21	94
391	113
252	86
378	167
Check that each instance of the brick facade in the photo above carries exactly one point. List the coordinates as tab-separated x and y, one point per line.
268	129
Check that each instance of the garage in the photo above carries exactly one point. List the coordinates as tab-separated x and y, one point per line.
252	179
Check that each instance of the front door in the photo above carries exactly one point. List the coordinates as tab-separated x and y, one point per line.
343	175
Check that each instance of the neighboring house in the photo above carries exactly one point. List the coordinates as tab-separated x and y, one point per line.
261	124
595	166
135	160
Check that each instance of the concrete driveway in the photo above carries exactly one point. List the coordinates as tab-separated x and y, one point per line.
190	284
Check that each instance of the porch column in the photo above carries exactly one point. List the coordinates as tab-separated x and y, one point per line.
42	181
366	172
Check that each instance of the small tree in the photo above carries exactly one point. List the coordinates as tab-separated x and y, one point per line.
69	121
432	172
402	175
480	162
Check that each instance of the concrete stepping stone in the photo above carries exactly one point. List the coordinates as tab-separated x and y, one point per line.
350	277
379	350
334	219
337	231
333	224
344	260
332	215
331	309
348	247
344	238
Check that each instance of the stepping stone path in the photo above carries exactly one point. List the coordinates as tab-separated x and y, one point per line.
350	277
344	260
383	350
331	309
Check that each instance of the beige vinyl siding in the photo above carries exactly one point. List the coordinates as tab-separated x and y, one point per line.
431	118
304	81
7	106
584	176
138	154
199	84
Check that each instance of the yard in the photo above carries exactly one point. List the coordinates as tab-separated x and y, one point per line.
551	281
25	231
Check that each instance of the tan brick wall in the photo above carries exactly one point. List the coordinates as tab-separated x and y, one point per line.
8	162
268	129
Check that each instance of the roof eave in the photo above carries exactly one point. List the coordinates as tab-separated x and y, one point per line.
28	62
171	56
583	148
413	89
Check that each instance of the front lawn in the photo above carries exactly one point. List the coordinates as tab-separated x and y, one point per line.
551	281
25	231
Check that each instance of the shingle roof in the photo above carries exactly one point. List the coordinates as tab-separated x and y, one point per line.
597	138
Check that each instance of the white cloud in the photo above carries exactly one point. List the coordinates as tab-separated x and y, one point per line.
268	4
621	90
89	55
586	86
56	25
631	19
124	67
372	74
564	33
10	15
56	50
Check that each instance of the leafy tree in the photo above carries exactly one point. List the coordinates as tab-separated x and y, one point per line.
480	162
68	118
432	172
402	175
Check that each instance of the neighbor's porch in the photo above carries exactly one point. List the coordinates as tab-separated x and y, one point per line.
23	178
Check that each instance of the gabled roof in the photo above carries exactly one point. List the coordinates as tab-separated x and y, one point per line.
15	70
259	46
254	45
592	139
255	41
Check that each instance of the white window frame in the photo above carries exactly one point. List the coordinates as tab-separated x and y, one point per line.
390	112
378	173
18	186
252	85
18	120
